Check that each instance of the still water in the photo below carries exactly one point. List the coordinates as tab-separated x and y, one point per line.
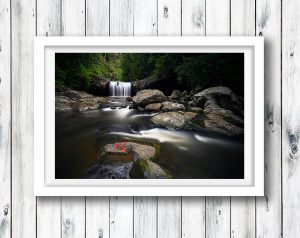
185	154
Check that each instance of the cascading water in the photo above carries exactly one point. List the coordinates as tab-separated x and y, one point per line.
119	89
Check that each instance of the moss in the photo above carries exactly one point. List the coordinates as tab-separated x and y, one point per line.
157	151
138	169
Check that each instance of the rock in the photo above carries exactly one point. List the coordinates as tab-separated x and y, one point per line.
127	151
109	171
184	93
175	95
195	109
221	96
72	94
147	96
118	152
63	104
99	86
141	109
154	171
192	103
153	107
86	104
172	106
173	120
145	169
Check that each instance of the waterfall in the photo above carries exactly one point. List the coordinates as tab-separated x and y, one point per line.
119	89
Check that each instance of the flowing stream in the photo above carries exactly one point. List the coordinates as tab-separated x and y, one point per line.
185	154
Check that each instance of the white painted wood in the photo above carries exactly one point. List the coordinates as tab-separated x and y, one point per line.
97	217
193	217
145	17
48	20
169	17
5	121
73	17
268	208
217	217
290	118
193	17
121	217
48	217
73	208
218	17
145	208
169	217
121	17
73	217
242	17
145	217
97	17
23	200
242	208
217	208
193	208
48	208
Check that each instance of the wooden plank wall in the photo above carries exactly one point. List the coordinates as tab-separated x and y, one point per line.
274	215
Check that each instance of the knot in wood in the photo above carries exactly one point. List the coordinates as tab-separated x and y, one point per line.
68	222
5	210
294	148
166	10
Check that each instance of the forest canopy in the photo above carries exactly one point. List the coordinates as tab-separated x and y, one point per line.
78	70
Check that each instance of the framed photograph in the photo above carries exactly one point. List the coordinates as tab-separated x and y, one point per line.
149	116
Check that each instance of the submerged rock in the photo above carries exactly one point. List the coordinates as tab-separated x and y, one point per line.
173	120
147	96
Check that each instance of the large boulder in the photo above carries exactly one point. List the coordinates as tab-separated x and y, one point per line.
147	96
165	106
85	104
175	95
72	100
173	120
221	96
63	104
146	169
172	106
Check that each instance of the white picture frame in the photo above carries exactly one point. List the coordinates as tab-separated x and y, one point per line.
45	183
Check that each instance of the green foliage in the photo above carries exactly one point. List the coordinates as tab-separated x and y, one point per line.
77	71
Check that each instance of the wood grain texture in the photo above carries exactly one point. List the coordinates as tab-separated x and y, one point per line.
218	208
193	18
23	201
242	208
145	217
268	208
169	217
169	17
48	209
121	17
73	17
193	217
5	121
121	217
97	217
145	17
73	217
97	17
290	118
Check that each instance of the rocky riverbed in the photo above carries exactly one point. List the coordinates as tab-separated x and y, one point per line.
128	134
